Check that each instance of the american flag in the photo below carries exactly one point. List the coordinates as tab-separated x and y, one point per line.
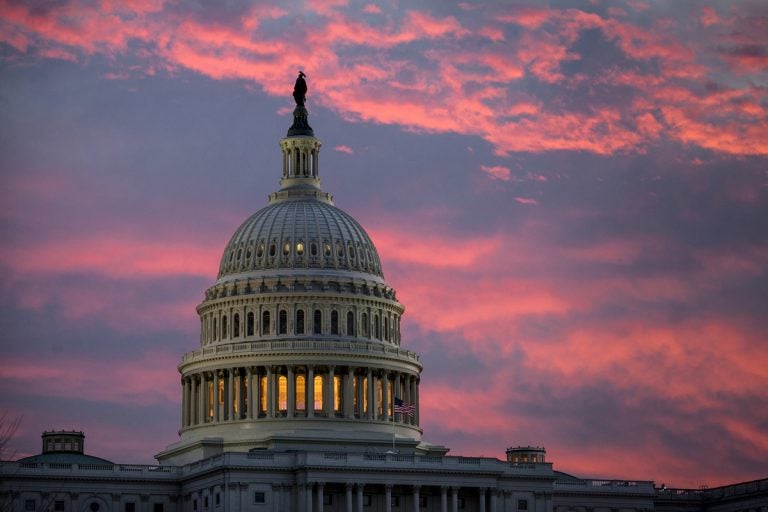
404	407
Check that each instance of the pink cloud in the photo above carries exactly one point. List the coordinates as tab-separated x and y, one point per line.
497	172
526	200
341	148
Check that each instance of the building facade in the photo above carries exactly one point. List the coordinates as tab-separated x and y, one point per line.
300	397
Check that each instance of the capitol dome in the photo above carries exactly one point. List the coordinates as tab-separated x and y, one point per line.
300	333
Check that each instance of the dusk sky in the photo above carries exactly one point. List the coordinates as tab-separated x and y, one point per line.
570	198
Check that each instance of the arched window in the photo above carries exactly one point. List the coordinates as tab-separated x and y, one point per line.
364	321
215	329
386	328
224	327
334	322
236	326
301	393
283	322
282	393
299	321
318	322
249	324
350	323
318	392
376	329
265	322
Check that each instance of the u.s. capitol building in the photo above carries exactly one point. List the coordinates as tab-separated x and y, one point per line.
301	396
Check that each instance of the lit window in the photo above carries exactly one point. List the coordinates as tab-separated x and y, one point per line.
327	249
318	391
300	248
263	394
221	392
286	248
282	393
337	390
260	250
301	393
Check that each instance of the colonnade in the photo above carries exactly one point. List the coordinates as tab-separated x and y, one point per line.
312	496
297	391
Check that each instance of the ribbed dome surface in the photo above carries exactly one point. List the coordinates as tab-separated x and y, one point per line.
297	234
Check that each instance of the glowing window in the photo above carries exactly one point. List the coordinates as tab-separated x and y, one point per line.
286	248
301	393
282	393
300	248
337	393
318	392
327	249
365	395
260	250
210	399
263	393
221	392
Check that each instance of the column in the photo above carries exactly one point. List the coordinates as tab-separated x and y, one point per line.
416	489
407	398
349	497
494	494
242	392
204	397
454	499
349	390
329	399
216	415
507	501
252	396
308	497
230	398
310	391
184	402
291	408
481	494
396	393
385	396
360	396
443	498
360	488
270	393
192	402
416	400
372	406
388	498
200	399
320	499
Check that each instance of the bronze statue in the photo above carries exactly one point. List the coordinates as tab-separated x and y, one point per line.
300	89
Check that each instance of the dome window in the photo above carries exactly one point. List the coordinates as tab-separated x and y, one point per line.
286	248
327	249
248	252
260	250
313	249
351	252
339	250
239	254
300	248
272	249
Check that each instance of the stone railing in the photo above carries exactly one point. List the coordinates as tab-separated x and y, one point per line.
714	493
26	468
266	347
613	486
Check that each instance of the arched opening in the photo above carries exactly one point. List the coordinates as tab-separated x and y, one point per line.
318	322
224	327
376	329
337	393
236	326
263	394
249	324
364	321
386	328
215	329
350	323
299	321
282	393
265	323
283	322
334	322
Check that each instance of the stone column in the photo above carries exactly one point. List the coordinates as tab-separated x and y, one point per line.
192	390
494	494
310	386
320	500
329	394
230	398
216	415
443	498
349	497
396	394
360	488
291	406
416	400
388	497
416	489
252	396
481	496
349	391
184	402
371	395
507	503
360	396
242	392
204	397
270	393
385	396
308	497
454	499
